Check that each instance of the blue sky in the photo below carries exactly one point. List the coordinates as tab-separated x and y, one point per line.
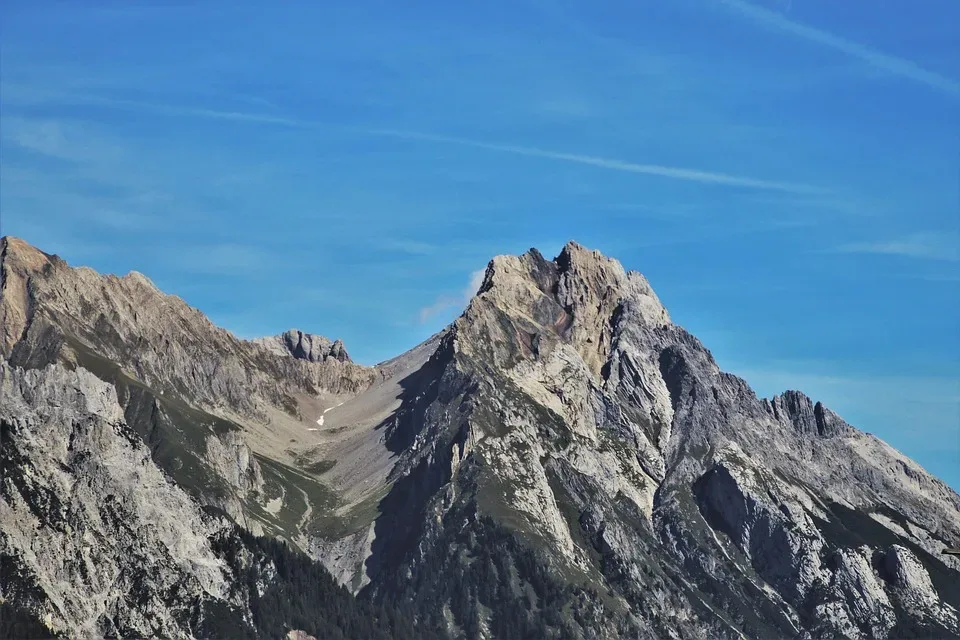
786	174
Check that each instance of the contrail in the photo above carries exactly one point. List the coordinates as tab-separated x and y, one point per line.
177	110
677	173
892	64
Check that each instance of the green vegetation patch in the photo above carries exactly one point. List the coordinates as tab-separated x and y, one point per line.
304	462
298	490
331	525
175	432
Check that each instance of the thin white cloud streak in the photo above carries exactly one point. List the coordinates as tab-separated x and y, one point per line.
446	302
929	246
889	63
61	139
200	112
439	306
18	94
677	173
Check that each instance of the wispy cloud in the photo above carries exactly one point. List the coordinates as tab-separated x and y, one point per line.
60	139
677	173
44	138
409	247
219	259
176	110
446	302
892	64
117	219
439	306
476	279
30	96
929	246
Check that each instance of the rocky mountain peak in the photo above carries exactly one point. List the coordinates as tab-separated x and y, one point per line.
18	260
20	255
808	418
305	346
576	298
138	279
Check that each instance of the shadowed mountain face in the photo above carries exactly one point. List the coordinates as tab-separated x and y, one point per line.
562	461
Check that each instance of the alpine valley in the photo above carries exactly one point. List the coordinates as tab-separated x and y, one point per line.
560	462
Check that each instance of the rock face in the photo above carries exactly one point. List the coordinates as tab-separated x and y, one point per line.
96	542
305	346
102	541
562	461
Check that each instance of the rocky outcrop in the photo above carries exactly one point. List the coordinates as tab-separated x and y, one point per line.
796	409
17	261
231	458
305	346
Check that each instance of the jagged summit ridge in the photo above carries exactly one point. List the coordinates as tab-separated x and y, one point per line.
578	296
808	417
53	312
305	346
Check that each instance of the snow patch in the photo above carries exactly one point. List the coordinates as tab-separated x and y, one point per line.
331	408
322	416
274	506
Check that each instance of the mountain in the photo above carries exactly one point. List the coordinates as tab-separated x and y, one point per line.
561	462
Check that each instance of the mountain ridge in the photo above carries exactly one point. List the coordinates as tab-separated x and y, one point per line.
562	417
